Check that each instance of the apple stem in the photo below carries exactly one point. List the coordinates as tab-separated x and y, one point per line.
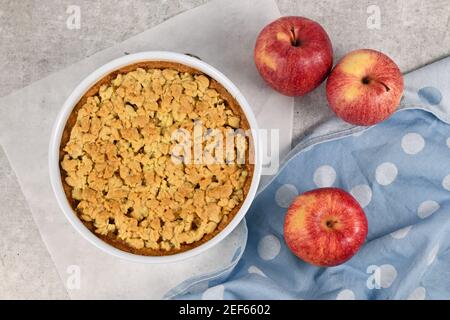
367	80
294	40
384	85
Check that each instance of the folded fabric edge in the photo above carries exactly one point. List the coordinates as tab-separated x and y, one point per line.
188	284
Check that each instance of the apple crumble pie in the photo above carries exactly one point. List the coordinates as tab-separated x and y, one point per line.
118	166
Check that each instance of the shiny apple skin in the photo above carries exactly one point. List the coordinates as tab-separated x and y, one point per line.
294	55
325	227
360	103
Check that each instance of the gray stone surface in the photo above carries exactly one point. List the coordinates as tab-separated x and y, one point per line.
26	270
35	41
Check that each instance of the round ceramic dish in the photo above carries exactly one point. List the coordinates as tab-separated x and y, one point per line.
77	94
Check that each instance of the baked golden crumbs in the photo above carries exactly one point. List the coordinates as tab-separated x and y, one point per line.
118	167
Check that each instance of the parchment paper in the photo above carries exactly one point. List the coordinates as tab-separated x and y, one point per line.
222	33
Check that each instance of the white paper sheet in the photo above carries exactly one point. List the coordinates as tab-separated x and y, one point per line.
222	33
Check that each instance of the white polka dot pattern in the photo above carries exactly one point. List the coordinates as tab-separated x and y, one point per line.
363	194
269	247
324	176
214	293
285	195
386	173
413	143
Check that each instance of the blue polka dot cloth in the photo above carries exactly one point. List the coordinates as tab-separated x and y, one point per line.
399	172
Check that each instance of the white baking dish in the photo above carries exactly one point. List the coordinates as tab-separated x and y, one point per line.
82	88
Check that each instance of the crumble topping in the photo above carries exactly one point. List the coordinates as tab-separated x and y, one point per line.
118	160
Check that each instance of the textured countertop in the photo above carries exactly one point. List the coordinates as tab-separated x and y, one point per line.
35	41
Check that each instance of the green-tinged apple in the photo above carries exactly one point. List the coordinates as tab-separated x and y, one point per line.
294	55
325	227
365	87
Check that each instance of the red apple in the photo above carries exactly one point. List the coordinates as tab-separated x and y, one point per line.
365	87
294	55
325	227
